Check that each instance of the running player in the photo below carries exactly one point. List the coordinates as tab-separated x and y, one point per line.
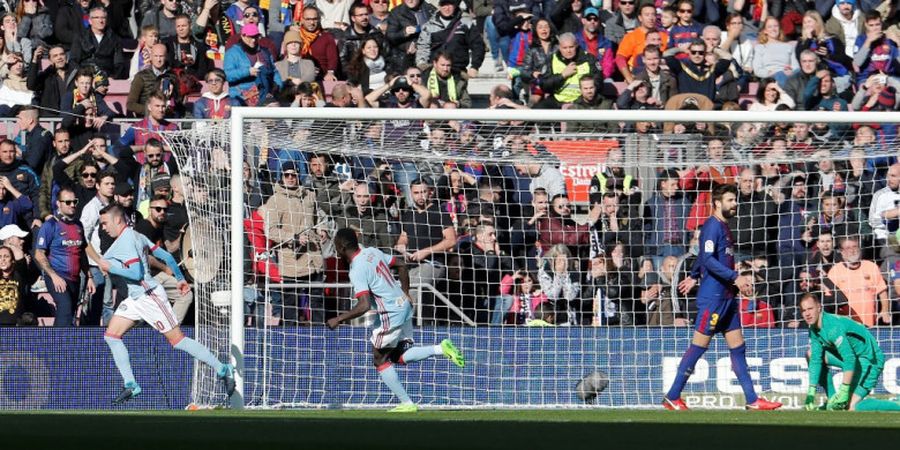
717	306
127	258
375	287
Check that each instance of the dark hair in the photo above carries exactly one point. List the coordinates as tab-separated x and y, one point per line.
85	72
722	189
346	239
652	48
761	90
357	69
442	54
647	5
61	130
106	173
873	15
153	142
535	40
218	72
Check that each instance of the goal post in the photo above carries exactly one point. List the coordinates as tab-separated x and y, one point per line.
511	366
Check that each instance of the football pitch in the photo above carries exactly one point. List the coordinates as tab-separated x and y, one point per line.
492	429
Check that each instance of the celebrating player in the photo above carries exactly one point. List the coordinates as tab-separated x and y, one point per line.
717	306
845	343
371	277
127	258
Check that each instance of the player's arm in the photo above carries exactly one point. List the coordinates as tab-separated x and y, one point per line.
129	270
167	258
362	305
841	399
815	366
708	261
402	272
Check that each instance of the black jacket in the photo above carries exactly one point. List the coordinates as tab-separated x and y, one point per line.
68	25
25	180
401	17
46	90
107	54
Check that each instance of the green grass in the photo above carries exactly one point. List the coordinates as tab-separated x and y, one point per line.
496	430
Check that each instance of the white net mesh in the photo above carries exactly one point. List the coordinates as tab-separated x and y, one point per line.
587	224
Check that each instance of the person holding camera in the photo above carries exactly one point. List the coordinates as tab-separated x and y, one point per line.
292	224
406	91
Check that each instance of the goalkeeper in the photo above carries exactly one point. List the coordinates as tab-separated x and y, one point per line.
843	342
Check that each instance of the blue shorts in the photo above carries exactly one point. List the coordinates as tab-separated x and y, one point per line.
717	316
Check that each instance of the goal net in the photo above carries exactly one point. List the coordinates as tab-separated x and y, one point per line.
585	221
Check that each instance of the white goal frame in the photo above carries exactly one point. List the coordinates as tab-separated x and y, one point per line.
240	114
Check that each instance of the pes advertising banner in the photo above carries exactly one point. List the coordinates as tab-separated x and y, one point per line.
47	368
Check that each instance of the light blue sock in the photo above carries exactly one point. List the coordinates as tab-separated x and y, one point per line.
420	353
120	356
200	352
392	380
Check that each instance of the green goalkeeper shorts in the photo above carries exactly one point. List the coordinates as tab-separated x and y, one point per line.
865	373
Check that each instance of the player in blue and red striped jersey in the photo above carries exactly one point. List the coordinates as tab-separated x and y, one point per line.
60	254
127	258
375	287
717	303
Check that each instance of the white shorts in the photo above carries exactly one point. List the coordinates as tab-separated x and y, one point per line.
391	328
152	307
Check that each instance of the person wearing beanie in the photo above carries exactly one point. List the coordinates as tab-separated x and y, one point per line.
294	67
291	223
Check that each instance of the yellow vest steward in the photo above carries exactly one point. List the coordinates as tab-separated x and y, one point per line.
570	90
626	184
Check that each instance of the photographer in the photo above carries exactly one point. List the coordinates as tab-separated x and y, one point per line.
292	224
403	93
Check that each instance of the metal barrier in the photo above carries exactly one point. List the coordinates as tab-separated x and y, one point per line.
419	287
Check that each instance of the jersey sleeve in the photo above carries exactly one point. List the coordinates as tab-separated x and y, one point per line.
359	280
815	359
45	236
710	238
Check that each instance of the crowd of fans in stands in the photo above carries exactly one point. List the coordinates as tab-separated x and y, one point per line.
499	241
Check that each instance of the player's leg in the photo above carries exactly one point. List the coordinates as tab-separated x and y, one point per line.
119	324
389	376
155	309
705	327
387	340
734	337
412	354
865	383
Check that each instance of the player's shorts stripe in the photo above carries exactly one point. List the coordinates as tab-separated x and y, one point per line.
704	321
385	321
153	249
131	261
163	308
361	293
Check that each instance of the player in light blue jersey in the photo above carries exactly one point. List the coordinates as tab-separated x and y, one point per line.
375	288
127	258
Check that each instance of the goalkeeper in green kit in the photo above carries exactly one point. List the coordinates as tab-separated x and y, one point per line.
842	342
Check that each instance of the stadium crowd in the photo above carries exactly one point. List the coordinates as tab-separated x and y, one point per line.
503	242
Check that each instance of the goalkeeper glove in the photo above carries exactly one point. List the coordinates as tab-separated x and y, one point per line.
839	400
810	403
